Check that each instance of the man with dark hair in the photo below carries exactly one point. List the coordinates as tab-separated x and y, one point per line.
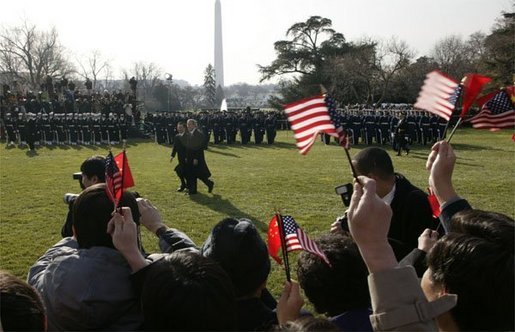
411	210
237	246
179	150
179	291
92	172
85	282
339	291
187	292
21	308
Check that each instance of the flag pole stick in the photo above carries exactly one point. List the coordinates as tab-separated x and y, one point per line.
454	129
122	171
354	173
460	87
280	225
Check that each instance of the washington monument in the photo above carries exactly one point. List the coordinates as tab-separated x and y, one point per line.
219	51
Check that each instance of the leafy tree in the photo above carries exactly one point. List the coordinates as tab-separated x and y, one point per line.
499	56
210	86
302	58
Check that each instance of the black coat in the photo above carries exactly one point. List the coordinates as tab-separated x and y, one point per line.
195	144
411	215
179	150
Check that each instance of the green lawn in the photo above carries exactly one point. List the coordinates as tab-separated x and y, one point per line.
251	181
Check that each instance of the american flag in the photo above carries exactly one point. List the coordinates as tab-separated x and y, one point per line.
296	239
308	117
336	119
498	112
113	179
438	95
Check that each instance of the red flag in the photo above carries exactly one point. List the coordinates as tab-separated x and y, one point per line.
274	240
472	86
438	94
309	117
295	239
123	165
433	202
118	176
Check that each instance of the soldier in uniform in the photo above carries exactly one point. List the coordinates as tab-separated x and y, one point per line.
10	129
229	129
243	126
271	132
259	128
400	134
425	128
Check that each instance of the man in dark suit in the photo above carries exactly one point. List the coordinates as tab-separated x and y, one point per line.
411	210
194	142
179	150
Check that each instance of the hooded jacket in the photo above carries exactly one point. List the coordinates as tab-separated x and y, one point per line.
86	289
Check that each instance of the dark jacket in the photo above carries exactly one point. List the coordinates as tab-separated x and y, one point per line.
179	150
411	216
195	144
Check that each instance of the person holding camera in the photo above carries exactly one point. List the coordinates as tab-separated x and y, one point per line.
92	171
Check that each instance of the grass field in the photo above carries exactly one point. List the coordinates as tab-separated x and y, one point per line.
251	181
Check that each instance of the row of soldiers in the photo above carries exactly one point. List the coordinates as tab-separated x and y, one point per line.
59	129
379	127
223	126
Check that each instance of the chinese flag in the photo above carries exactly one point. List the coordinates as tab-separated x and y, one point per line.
472	86
123	166
274	240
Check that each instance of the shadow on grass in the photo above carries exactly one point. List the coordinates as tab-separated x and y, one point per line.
227	154
237	145
31	153
218	204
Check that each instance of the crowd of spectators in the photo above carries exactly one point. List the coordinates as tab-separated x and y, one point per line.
101	278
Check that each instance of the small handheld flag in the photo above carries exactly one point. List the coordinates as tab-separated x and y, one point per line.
118	176
293	236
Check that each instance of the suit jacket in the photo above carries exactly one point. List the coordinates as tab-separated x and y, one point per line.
195	144
179	150
411	215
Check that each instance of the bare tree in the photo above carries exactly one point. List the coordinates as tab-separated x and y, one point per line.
452	56
94	66
392	56
148	76
29	55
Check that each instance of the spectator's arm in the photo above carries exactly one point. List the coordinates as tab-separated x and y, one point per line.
124	232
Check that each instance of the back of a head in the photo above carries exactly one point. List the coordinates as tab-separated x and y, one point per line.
94	166
237	246
21	308
493	226
374	160
91	213
481	273
337	288
308	324
187	292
